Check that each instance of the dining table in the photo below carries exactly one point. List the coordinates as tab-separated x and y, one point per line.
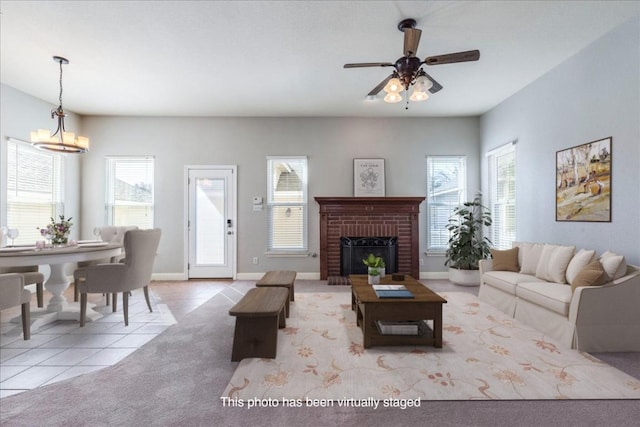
58	258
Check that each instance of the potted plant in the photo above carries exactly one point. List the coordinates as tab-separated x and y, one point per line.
467	245
374	264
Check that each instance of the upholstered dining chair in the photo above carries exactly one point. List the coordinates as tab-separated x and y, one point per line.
109	234
132	272
31	276
13	293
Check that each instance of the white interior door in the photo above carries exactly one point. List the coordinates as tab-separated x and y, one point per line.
211	222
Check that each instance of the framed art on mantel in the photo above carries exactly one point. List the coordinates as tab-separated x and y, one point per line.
583	182
368	177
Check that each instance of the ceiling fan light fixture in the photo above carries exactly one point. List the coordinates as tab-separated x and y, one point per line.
394	85
423	83
393	97
418	96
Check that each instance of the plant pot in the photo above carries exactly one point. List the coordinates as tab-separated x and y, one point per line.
373	280
464	277
382	271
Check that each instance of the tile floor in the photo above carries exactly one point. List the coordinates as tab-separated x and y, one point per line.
63	350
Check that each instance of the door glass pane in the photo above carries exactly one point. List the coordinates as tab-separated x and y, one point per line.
210	217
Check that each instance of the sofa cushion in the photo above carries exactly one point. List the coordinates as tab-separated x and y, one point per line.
507	281
578	262
592	275
552	296
506	260
530	256
553	263
613	264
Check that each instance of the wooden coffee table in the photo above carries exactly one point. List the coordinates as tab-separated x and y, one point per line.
426	305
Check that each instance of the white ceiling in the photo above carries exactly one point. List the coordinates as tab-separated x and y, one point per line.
285	58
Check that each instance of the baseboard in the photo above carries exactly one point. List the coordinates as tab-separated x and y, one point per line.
258	276
433	275
167	277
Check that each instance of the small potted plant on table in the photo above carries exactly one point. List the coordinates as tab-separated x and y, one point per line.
374	264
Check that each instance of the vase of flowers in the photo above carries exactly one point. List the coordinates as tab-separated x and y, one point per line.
57	232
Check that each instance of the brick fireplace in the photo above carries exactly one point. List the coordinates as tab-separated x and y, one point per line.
369	217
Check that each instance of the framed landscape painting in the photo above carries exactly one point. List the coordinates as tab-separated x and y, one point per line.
368	177
583	182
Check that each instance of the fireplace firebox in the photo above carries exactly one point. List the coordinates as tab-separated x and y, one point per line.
354	249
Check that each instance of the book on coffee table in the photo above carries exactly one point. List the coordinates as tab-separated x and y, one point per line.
393	293
398	328
389	287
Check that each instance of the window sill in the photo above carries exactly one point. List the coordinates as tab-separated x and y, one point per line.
287	254
435	253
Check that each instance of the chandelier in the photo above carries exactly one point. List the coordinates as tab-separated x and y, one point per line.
61	140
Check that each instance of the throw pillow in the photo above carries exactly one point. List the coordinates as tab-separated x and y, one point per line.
592	275
506	260
553	263
530	256
578	262
614	265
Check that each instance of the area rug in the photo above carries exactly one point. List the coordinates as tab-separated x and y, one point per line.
338	281
486	355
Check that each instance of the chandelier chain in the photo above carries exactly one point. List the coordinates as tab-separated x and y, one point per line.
60	96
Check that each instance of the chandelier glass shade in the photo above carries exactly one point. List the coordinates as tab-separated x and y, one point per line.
421	85
61	140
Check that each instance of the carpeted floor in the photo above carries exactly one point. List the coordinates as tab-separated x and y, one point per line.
177	380
486	355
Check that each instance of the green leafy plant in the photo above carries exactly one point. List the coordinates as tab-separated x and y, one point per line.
467	245
373	261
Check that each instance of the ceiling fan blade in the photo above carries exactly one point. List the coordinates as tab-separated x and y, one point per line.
469	55
369	64
436	86
380	86
411	41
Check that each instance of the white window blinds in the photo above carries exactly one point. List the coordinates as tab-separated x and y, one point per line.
502	195
446	183
34	189
287	204
129	191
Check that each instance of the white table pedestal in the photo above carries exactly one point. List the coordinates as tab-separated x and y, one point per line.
58	308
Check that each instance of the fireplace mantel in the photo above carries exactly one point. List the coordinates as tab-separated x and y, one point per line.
369	217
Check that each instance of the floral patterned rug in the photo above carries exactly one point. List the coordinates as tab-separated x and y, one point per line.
486	355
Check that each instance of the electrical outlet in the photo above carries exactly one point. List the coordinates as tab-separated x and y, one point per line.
255	259
421	261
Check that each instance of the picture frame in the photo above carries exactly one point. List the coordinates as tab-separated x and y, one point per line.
368	178
583	182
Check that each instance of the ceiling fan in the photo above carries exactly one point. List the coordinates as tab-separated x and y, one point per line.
408	69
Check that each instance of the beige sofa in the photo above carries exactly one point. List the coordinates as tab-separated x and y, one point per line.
555	289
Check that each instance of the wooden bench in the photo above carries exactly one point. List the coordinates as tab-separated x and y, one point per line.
282	279
259	315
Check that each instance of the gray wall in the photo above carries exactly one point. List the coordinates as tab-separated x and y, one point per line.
19	115
593	95
331	144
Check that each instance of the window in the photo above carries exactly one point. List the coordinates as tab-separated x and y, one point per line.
287	204
129	191
35	182
502	195
446	183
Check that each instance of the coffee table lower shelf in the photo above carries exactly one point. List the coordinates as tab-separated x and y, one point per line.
372	337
